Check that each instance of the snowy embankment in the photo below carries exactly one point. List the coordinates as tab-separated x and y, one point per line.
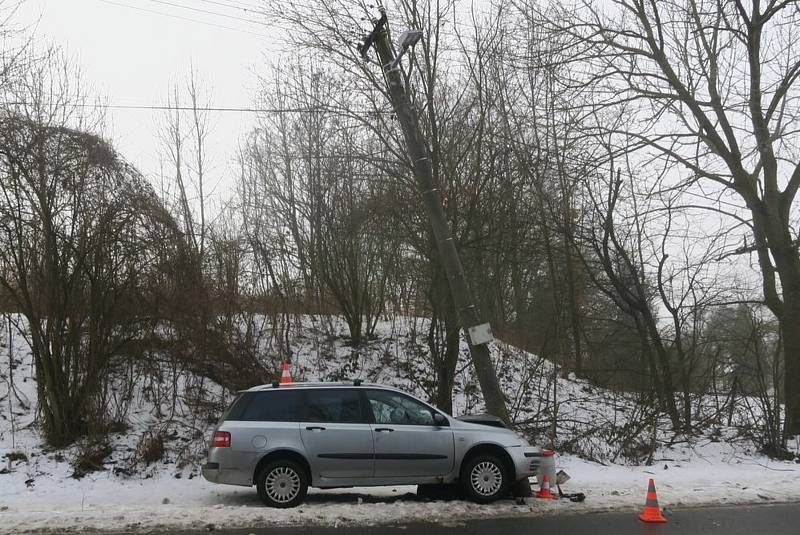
102	501
39	491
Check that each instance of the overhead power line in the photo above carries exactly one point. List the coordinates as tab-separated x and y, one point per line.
207	12
235	109
249	8
189	19
254	10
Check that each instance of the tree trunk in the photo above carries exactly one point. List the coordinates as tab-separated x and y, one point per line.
445	358
446	367
771	232
790	328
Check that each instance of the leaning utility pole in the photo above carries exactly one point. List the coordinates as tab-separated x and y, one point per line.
479	333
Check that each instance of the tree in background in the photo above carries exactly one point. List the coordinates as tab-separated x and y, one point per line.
208	341
75	236
727	132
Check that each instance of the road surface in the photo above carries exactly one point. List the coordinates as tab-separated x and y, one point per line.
740	520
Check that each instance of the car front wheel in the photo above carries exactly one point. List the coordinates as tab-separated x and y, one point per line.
282	484
485	479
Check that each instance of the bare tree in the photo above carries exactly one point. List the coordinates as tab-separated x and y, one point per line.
184	133
74	238
676	68
310	187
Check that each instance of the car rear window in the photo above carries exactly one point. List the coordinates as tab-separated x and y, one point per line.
267	406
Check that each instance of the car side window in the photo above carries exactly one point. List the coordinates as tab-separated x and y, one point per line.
396	409
271	406
336	405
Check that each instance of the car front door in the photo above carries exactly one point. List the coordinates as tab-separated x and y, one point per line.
407	442
336	433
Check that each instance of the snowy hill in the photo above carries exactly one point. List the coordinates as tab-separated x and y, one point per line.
146	473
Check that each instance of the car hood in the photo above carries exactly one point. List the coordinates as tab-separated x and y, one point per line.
484	419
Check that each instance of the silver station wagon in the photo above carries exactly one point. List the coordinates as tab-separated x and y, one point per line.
285	438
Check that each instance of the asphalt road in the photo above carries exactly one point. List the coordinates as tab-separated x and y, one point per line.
741	520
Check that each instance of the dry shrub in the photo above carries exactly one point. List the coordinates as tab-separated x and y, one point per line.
151	447
90	457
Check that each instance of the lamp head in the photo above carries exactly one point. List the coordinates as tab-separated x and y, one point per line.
409	38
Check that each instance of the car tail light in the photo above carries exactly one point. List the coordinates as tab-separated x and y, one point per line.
221	439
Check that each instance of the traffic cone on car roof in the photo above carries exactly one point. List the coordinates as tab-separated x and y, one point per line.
286	377
544	490
652	512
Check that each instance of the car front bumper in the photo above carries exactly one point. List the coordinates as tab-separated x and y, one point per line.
526	460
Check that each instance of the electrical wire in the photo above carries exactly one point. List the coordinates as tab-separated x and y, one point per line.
243	109
467	26
207	12
236	5
262	23
161	13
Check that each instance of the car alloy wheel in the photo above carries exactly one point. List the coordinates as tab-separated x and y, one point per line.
486	478
282	484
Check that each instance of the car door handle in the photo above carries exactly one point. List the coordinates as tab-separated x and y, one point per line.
383	430
315	428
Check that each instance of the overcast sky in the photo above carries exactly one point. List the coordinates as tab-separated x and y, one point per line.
132	57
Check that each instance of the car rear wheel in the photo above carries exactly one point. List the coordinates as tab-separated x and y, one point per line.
282	483
485	478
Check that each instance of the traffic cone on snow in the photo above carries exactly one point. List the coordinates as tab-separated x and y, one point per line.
652	512
544	490
286	377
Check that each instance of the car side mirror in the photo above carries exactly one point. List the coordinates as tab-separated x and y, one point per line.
440	420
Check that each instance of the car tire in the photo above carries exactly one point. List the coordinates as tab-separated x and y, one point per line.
282	483
485	478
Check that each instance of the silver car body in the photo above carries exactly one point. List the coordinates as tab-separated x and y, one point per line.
363	454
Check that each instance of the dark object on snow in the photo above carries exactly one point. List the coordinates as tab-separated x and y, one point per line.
442	492
483	419
521	489
575	497
16	456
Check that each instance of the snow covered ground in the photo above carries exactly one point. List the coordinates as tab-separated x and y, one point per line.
56	503
38	493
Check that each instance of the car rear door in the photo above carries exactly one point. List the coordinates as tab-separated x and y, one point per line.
407	443
336	433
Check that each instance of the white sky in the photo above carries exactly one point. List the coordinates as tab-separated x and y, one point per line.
132	57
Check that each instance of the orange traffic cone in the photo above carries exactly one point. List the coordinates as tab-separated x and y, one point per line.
544	490
652	512
286	377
